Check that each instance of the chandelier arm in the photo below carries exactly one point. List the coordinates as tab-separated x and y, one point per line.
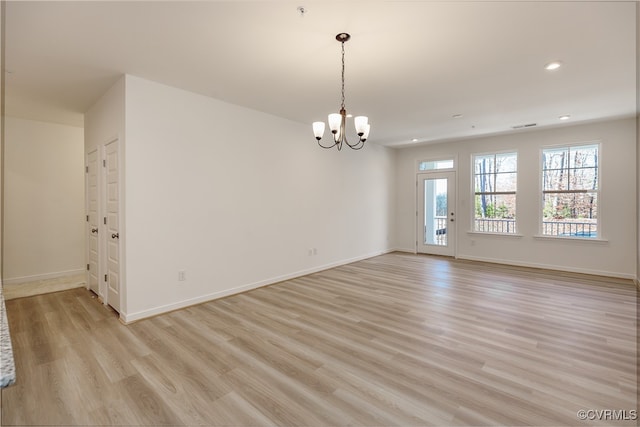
328	147
358	145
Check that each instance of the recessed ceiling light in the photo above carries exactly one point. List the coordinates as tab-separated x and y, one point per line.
553	65
456	116
414	140
349	115
565	117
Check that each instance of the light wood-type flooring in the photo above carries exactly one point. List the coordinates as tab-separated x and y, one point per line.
398	339
38	287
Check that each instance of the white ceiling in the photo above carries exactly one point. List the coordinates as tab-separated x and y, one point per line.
410	65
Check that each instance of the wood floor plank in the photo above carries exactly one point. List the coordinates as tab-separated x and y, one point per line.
398	339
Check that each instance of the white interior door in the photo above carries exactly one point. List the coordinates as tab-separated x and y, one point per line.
436	231
93	223
112	223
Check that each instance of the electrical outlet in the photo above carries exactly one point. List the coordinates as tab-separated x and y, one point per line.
182	275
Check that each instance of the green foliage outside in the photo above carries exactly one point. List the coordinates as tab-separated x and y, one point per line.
492	211
559	212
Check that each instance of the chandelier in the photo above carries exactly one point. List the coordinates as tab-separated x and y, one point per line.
337	121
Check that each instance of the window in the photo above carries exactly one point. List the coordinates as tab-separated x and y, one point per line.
435	165
495	181
570	191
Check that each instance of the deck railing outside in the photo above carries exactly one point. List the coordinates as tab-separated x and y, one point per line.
494	225
491	225
549	228
570	229
439	236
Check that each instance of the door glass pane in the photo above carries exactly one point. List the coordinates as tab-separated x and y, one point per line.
435	211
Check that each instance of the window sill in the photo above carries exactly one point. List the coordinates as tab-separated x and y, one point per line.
573	239
483	233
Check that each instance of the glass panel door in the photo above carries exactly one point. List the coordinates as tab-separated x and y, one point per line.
436	213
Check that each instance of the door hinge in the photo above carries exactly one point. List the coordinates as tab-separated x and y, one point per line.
105	220
105	277
86	169
104	163
87	267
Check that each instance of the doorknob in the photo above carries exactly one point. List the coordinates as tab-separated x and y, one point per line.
94	230
115	236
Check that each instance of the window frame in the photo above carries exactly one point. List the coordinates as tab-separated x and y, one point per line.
494	153
437	159
542	191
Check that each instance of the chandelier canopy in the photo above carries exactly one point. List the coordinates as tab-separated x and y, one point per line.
337	121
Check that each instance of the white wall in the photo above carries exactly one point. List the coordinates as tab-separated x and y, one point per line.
104	121
236	197
615	257
44	200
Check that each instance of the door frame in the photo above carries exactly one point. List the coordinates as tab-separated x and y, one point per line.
452	240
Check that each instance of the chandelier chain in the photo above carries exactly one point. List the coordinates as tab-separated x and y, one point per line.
343	75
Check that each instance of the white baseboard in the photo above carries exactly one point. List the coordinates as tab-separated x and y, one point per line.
47	276
405	250
129	318
550	267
